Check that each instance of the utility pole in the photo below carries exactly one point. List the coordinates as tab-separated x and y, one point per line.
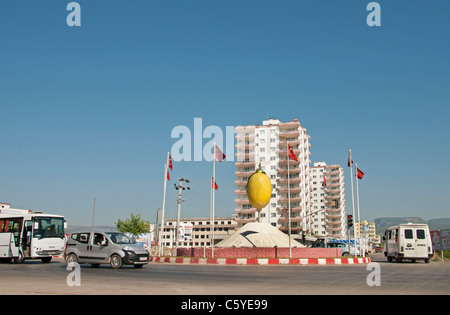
180	188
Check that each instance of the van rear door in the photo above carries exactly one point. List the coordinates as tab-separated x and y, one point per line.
421	242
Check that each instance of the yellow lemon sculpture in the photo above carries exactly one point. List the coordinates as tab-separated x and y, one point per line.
259	189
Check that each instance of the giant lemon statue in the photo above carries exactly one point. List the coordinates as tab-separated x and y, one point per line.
259	190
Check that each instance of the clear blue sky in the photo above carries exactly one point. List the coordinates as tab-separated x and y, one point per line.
87	112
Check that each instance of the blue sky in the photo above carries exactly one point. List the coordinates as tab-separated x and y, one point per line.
87	112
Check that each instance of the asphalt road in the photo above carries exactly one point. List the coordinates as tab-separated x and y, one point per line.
33	277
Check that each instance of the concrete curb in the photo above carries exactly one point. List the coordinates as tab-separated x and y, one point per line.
261	261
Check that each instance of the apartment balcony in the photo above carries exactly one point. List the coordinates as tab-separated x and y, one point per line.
245	156
245	164
334	197
283	143
333	173
244	173
292	170
295	180
290	161
333	191
293	199
284	210
245	211
242	201
245	146
333	216
286	153
242	137
289	134
285	190
294	230
240	192
293	219
240	182
290	124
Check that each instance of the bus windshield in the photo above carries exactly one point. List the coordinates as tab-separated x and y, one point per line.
119	238
48	227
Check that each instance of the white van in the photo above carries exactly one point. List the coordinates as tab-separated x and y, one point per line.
408	241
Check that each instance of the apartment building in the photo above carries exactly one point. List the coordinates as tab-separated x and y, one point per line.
267	145
328	200
367	229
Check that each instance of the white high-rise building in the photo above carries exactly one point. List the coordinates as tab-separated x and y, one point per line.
266	144
328	200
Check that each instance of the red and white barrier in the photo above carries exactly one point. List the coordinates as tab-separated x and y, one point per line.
261	261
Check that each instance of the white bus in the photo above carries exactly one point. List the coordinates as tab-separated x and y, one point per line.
30	235
408	241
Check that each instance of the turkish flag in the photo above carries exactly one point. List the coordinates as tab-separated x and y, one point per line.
324	181
214	184
292	154
170	163
350	161
219	154
168	177
359	174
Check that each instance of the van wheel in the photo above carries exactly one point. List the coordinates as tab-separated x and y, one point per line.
116	262
72	259
46	260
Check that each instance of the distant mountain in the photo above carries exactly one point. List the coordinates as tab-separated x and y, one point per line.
435	224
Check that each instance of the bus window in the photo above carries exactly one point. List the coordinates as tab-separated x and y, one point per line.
49	227
408	234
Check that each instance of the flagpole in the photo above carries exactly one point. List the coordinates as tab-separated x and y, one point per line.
163	206
289	201
353	201
213	201
357	203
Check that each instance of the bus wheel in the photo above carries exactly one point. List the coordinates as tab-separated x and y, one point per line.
20	258
46	260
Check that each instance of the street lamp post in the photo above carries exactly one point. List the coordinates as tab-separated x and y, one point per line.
180	188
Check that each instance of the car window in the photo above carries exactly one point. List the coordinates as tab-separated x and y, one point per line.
80	237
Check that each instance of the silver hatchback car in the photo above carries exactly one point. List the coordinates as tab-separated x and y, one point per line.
112	248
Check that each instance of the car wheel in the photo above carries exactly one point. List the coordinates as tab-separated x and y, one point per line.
115	262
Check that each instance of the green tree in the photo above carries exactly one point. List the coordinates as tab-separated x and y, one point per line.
134	224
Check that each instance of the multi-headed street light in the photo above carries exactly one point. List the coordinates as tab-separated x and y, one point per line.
180	187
